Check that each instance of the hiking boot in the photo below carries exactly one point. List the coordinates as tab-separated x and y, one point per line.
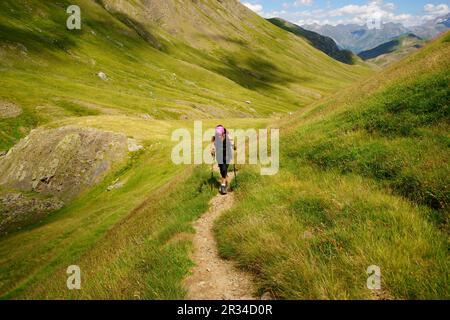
223	189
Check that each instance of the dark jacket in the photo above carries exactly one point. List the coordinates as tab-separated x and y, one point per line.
224	149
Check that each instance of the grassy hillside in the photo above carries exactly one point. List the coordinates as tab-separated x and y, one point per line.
393	50
364	169
142	68
159	63
132	242
364	181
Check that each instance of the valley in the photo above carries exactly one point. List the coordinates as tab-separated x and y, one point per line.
87	178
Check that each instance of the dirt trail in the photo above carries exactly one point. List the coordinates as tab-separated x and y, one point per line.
214	278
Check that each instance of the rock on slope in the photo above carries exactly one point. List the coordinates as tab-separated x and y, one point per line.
52	166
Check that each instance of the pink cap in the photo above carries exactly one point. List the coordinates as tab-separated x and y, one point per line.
220	130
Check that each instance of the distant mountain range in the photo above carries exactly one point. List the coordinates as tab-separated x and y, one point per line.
432	28
393	50
359	38
320	42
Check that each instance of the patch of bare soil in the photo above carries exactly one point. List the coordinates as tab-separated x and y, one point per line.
9	110
214	278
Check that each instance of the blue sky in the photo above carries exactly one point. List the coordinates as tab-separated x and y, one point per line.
334	12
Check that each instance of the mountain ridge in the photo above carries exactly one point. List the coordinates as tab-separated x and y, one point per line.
358	38
323	43
393	50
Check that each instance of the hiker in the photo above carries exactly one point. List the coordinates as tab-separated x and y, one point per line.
222	149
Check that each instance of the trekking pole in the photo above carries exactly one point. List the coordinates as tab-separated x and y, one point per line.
212	172
212	176
234	167
235	176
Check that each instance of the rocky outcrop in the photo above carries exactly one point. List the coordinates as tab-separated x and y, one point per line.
55	165
17	209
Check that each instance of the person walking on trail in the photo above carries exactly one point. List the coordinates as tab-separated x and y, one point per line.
222	147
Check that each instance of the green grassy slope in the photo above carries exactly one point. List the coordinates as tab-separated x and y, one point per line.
132	242
132	239
364	181
232	40
51	73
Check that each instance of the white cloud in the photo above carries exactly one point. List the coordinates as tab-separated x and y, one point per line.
352	13
299	3
258	8
435	11
439	9
306	12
